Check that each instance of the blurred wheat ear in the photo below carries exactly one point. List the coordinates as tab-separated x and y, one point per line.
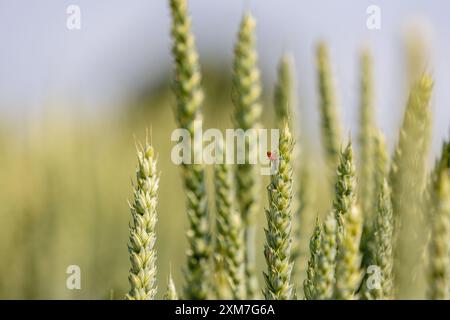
382	252
141	247
367	130
314	247
330	123
382	205
189	99
246	92
230	249
324	277
408	181
284	94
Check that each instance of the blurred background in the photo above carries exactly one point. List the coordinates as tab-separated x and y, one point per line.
73	101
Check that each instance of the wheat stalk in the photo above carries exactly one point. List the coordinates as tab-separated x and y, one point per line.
229	257
349	222
408	181
330	126
246	91
189	97
279	220
142	276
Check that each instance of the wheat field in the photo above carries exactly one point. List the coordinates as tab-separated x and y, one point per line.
346	218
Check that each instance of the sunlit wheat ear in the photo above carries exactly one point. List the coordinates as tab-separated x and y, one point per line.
383	257
408	182
439	256
330	123
279	220
324	278
171	292
142	276
189	98
366	145
246	92
230	250
349	222
314	248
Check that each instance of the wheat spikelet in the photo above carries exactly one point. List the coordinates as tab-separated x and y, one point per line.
141	246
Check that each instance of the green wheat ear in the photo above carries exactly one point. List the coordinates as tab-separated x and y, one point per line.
330	125
349	222
171	293
279	219
324	278
141	246
189	98
383	257
314	248
230	251
408	182
246	91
